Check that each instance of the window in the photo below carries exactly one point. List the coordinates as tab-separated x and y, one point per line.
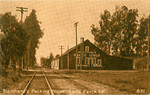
86	60
90	62
99	62
87	48
94	60
78	60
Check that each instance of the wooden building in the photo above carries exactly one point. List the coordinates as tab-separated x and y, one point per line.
90	57
55	64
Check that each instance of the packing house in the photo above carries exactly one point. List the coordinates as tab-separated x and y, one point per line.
90	57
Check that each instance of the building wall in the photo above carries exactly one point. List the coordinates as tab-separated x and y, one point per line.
117	63
55	64
82	57
103	61
64	61
100	58
72	59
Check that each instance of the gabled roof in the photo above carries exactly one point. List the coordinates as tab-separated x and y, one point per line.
121	57
73	48
78	46
95	46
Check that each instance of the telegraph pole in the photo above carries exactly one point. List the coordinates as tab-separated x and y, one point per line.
148	48
68	47
22	9
28	53
75	25
61	47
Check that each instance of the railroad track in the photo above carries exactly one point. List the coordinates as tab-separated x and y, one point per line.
88	87
54	87
30	82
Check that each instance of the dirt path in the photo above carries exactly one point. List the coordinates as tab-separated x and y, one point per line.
38	86
63	86
94	86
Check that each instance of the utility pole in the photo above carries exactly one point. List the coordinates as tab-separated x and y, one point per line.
22	9
28	53
75	25
68	47
148	48
61	47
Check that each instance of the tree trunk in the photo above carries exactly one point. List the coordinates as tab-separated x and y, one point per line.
20	64
142	54
14	66
24	62
109	45
28	61
127	51
7	63
4	67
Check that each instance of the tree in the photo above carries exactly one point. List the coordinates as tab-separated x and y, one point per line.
1	36
46	62
103	36
14	41
142	36
2	70
57	55
125	21
117	32
31	25
51	58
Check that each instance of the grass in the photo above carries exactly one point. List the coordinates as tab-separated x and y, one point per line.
131	82
27	72
11	80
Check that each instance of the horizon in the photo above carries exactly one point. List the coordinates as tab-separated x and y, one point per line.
58	18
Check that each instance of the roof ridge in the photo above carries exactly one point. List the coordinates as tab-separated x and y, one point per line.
74	47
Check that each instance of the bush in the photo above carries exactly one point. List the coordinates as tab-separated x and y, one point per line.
140	63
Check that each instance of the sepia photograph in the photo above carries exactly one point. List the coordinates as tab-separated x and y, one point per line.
74	47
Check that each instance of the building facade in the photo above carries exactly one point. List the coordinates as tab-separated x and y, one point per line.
90	57
55	64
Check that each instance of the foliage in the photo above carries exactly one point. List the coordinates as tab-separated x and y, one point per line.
140	63
57	55
141	45
14	41
31	25
104	35
51	57
119	32
128	21
46	62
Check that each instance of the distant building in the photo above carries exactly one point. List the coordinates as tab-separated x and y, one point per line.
55	64
90	57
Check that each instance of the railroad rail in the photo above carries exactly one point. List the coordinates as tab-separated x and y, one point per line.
51	91
30	81
50	88
28	84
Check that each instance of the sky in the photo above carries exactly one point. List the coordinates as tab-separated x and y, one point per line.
58	18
